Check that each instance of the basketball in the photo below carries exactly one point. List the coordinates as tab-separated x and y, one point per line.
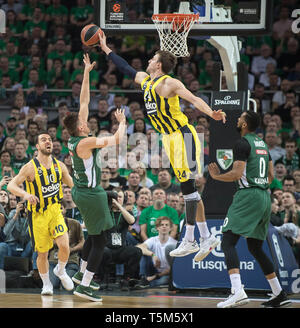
89	34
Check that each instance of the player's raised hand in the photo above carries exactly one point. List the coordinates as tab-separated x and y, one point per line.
102	42
219	115
120	116
86	59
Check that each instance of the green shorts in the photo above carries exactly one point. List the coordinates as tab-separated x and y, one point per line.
93	206
249	214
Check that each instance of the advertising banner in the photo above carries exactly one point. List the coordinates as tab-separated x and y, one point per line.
212	272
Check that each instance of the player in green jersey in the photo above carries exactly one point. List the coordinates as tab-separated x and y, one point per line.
87	194
250	211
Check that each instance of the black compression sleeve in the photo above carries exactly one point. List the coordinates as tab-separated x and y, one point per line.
122	65
241	150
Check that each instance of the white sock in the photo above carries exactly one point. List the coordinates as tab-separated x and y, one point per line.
61	267
204	232
189	233
275	286
45	279
87	277
235	280
83	265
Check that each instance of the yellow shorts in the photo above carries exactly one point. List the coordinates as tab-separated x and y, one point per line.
45	227
183	149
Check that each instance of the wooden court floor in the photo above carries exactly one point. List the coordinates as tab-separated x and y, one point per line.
143	299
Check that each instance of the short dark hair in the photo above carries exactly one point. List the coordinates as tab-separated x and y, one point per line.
288	178
71	123
253	120
167	59
40	133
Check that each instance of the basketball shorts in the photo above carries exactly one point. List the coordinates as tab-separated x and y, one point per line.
45	227
183	149
249	214
93	206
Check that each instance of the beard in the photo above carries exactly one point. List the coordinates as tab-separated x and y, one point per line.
46	152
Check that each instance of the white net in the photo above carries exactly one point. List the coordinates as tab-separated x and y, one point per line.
173	31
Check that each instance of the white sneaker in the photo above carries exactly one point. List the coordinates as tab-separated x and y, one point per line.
235	299
47	290
206	246
65	279
185	248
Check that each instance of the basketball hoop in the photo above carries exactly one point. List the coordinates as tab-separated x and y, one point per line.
173	30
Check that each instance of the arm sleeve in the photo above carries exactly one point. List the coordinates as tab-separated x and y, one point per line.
122	65
241	150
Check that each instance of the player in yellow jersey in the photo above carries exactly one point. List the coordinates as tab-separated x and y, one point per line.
180	140
43	177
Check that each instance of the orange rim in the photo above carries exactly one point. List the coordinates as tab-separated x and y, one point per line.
179	17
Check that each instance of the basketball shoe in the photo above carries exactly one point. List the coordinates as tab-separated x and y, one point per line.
280	300
235	299
206	246
47	290
185	248
78	277
87	293
66	281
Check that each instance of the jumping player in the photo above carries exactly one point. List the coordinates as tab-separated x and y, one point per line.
180	140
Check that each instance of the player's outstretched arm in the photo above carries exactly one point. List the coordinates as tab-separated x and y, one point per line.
178	88
121	63
66	178
233	175
85	146
85	89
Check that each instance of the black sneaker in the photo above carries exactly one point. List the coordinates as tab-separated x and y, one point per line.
142	284
280	300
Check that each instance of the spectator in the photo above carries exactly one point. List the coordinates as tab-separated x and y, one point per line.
115	179
173	201
20	157
288	59
2	236
296	176
32	133
275	218
290	212
9	145
259	63
58	121
103	115
284	110
291	159
58	72
37	20
37	96
116	250
133	183
56	150
2	135
294	76
265	78
57	9
102	95
283	24
105	180
52	130
11	127
150	215
11	5
264	99
144	180
275	150
156	270
16	232
289	184
70	207
93	125
280	171
76	241
165	183
60	51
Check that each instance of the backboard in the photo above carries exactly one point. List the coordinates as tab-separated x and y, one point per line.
217	17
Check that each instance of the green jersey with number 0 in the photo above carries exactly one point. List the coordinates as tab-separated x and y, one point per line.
257	165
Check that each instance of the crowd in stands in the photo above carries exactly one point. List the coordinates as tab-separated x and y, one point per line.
41	50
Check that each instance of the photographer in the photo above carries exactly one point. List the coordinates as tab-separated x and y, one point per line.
17	240
116	250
